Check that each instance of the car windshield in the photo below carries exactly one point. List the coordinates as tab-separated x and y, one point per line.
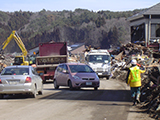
15	71
99	58
80	68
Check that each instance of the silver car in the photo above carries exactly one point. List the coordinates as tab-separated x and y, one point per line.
20	80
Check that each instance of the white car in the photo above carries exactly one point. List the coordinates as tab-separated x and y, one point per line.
20	80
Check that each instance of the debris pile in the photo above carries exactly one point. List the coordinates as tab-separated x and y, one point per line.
7	60
150	92
150	89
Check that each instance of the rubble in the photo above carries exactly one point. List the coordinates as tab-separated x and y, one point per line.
150	89
7	60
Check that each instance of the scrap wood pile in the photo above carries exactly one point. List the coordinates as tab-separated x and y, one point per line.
6	60
150	89
150	92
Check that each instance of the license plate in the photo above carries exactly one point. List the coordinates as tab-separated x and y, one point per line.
88	83
99	73
13	82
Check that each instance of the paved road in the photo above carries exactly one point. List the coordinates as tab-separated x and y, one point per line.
110	102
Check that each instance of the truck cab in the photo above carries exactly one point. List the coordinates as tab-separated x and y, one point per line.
100	61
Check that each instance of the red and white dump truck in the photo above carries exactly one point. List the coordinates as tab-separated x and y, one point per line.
50	56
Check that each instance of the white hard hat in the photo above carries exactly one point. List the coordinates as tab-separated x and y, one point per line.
134	62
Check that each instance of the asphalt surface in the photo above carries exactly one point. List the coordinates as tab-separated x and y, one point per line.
110	102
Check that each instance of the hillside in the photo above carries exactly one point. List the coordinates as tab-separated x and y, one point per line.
99	29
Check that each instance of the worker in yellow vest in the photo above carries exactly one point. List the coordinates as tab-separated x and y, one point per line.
134	80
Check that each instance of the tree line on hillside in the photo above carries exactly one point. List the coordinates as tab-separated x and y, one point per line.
99	29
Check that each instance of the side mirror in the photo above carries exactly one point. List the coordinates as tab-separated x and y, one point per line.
65	71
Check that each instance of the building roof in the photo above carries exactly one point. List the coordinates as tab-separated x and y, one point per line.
154	10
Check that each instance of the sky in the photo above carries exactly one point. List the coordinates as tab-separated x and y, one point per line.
60	5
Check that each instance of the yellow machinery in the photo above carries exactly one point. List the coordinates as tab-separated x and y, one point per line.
19	60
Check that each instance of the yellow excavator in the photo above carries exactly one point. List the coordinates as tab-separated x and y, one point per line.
19	60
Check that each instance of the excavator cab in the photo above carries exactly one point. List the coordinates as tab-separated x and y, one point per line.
20	60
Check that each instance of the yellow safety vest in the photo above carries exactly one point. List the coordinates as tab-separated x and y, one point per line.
134	78
135	73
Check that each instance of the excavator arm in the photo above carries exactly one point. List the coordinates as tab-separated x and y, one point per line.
17	40
19	60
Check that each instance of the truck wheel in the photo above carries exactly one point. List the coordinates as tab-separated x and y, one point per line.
95	88
70	85
55	84
44	81
107	78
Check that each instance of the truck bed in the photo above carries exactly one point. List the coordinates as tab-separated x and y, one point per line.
43	61
50	56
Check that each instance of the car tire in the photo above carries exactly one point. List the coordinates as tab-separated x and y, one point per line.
34	94
107	78
95	88
41	91
70	85
55	85
1	96
78	88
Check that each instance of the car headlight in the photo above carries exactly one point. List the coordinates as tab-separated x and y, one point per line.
97	76
108	68
76	77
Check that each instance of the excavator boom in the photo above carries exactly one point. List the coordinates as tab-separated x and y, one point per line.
17	40
19	60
